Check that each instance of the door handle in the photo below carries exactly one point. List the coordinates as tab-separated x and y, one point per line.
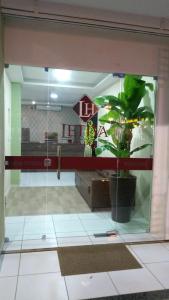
59	161
47	162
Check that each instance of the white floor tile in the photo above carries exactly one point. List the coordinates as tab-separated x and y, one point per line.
106	240
14	236
38	236
14	220
41	287
38	225
43	179
11	246
74	241
136	257
130	228
64	217
132	237
8	288
89	286
71	234
95	216
39	262
161	272
39	218
15	228
102	225
149	253
68	226
38	228
9	265
37	244
14	231
159	236
166	245
134	281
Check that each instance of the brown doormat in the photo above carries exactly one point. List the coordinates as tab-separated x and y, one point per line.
95	258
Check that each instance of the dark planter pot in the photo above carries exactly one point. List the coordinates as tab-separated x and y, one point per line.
122	194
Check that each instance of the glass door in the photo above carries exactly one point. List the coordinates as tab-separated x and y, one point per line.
64	129
26	144
127	111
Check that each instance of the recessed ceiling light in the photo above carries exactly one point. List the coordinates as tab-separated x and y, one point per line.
33	102
53	96
62	75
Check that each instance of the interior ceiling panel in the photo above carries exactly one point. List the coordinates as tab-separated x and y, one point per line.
156	8
77	77
37	85
42	95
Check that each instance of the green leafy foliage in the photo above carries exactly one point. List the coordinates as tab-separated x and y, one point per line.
124	113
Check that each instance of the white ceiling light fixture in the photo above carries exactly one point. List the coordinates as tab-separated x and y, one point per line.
33	102
53	96
62	75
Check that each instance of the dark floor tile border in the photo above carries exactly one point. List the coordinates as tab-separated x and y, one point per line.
152	295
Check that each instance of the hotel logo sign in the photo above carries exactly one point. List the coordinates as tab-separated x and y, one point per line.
85	108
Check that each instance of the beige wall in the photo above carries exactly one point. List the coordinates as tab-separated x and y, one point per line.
88	49
51	44
1	139
40	122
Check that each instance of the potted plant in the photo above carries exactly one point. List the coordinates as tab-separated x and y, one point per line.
123	115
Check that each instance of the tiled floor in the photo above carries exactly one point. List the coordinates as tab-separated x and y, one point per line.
31	179
58	228
37	276
52	230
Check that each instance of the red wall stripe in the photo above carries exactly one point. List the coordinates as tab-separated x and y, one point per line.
77	163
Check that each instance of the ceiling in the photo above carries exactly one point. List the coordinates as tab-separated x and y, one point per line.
156	8
38	84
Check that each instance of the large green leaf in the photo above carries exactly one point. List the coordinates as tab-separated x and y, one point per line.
112	131
143	112
142	108
123	101
107	100
146	115
132	83
114	126
114	149
110	117
134	100
134	89
105	142
101	149
140	148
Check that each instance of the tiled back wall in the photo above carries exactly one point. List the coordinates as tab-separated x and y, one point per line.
41	121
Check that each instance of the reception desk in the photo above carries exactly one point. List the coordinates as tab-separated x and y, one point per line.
41	149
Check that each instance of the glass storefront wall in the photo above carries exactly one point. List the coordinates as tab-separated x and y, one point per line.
71	115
